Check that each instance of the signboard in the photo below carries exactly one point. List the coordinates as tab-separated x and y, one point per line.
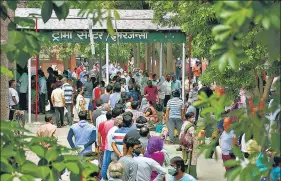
122	37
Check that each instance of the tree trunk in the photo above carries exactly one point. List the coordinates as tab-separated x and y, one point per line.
169	58
138	55
147	57
135	54
4	90
153	58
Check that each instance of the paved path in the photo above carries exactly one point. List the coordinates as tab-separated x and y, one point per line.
207	169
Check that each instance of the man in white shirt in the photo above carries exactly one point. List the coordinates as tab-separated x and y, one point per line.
23	90
167	83
13	98
58	100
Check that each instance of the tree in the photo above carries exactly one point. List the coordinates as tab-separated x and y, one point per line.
244	44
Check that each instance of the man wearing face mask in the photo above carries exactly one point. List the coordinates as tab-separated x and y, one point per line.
146	166
175	84
130	165
177	170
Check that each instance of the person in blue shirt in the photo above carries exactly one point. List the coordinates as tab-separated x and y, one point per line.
84	134
275	173
133	93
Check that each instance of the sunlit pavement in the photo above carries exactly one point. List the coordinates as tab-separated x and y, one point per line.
207	169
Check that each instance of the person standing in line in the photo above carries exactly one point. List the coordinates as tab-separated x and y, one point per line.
68	93
129	164
23	90
88	90
115	97
58	100
161	88
177	170
151	92
47	130
119	135
96	94
227	141
154	80
42	92
167	90
147	166
84	134
196	71
74	74
174	114
106	96
154	151
193	94
78	71
116	170
175	84
108	157
50	86
13	98
178	68
96	113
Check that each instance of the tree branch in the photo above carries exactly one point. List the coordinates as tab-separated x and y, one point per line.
267	88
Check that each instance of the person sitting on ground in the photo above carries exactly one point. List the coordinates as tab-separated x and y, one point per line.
116	170
84	134
151	116
177	170
47	130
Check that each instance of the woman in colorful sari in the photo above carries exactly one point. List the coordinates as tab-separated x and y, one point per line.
154	151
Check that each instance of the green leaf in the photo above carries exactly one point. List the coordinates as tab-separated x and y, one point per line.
266	23
15	36
223	62
116	14
233	4
46	10
38	149
23	58
220	29
6	166
231	163
232	60
52	154
53	175
24	22
7	177
233	173
75	176
236	150
20	157
30	169
207	110
61	12
12	4
8	73
27	178
59	166
58	3
43	171
109	24
73	167
71	158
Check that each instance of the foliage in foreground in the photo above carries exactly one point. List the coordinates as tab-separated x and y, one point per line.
14	150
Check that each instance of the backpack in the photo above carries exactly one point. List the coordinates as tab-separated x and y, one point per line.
186	139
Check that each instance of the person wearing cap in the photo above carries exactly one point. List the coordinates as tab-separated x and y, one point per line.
174	114
58	101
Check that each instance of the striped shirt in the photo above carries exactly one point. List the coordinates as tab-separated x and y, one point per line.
175	106
118	137
68	92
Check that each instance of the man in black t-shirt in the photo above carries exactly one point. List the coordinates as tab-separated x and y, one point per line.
50	86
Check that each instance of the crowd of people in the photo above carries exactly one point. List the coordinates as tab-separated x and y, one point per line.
118	119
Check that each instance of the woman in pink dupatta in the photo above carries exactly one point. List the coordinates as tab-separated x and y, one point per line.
154	151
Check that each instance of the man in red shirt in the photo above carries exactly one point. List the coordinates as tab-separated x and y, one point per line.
103	130
78	71
151	92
